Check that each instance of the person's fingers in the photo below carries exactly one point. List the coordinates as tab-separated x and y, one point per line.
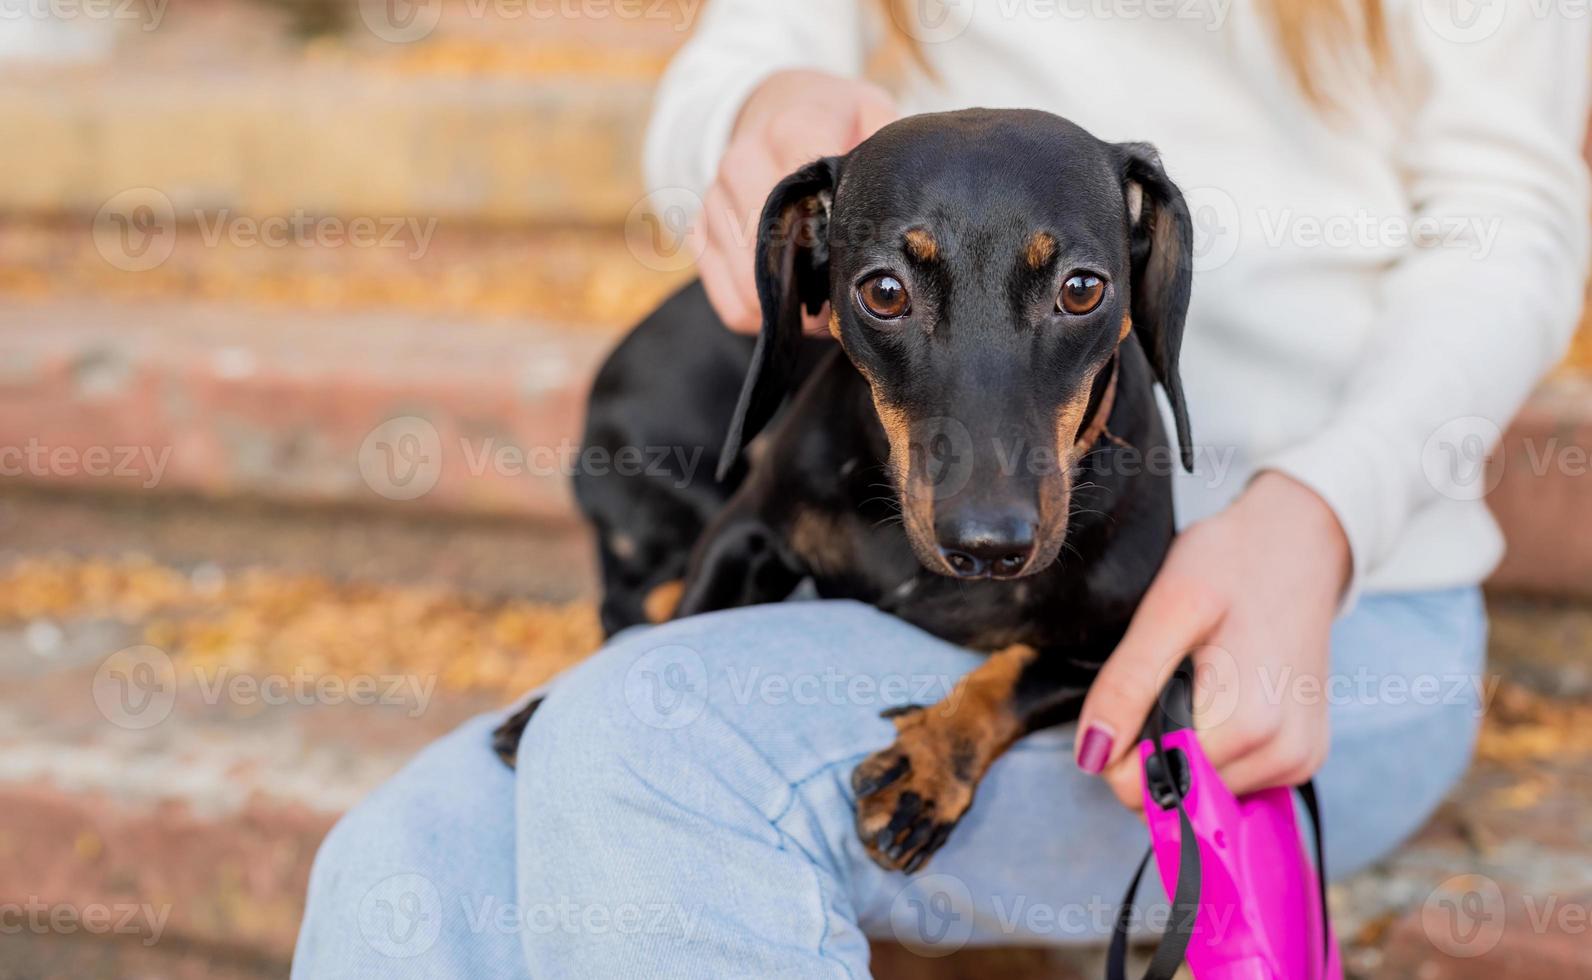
801	135
816	324
1239	714
755	161
1214	700
746	176
722	295
1176	615
1250	728
875	110
748	173
1292	757
734	290
719	284
1126	780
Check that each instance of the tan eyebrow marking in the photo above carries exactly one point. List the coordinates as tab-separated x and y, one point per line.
1041	249
921	245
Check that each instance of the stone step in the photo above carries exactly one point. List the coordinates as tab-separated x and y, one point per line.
506	113
200	811
597	280
472	417
543	151
1541	479
415	414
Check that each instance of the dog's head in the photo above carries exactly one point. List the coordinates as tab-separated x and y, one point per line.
982	268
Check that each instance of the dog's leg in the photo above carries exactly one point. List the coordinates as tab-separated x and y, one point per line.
911	795
506	737
740	561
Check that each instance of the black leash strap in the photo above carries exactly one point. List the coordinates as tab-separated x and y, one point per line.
1307	794
1177	706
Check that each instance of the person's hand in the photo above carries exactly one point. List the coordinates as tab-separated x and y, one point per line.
790	120
1252	593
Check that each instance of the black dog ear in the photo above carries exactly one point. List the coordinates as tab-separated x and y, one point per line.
1162	238
792	273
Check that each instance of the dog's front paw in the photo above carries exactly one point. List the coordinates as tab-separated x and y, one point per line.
911	795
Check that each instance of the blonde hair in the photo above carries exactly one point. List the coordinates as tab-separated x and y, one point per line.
1317	38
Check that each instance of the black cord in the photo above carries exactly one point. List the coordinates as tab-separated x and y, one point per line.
1173	947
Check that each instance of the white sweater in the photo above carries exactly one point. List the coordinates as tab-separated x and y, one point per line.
1370	296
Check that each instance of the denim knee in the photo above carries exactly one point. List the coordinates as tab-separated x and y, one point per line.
801	685
409	870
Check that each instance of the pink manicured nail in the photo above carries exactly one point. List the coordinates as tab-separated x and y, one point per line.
1094	749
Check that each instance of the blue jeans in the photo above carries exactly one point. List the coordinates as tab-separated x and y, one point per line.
682	807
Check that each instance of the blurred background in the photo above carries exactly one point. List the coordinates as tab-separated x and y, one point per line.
298	304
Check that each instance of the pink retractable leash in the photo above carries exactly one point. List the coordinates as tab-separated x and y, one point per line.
1246	901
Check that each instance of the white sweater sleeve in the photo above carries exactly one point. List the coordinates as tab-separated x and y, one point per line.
737	44
1464	333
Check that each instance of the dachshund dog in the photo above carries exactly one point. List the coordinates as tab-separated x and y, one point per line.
981	453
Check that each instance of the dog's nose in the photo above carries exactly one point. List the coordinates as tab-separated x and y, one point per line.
975	547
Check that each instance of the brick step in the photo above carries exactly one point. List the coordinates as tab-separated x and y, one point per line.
468	416
207	809
204	819
499	113
343	135
1543	493
588	279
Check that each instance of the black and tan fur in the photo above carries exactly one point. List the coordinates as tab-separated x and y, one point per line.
1035	536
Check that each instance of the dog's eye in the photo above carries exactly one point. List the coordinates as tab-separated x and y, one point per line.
884	296
1080	294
